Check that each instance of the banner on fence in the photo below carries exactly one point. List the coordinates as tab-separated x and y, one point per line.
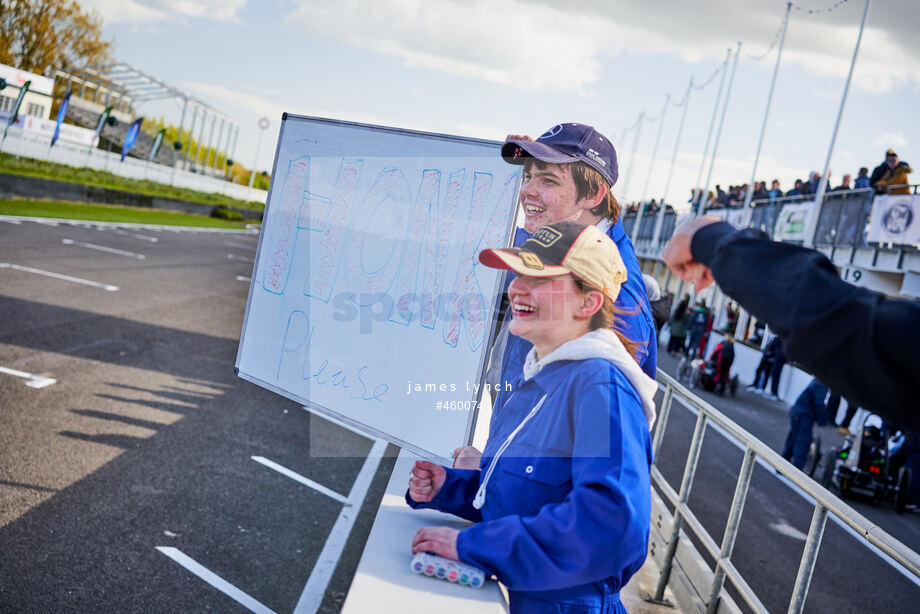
895	219
790	225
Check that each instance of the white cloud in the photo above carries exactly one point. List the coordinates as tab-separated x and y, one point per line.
151	11
125	11
493	41
543	44
888	139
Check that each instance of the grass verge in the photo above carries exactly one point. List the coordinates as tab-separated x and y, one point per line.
110	213
30	167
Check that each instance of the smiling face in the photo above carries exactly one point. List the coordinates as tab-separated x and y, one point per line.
549	311
549	195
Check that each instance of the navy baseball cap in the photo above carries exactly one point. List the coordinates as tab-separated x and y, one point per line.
567	143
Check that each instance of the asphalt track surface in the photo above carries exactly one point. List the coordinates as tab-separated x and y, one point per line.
146	440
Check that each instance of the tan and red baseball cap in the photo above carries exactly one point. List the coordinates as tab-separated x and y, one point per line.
563	248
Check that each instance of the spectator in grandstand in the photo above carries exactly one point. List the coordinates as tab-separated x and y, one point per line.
775	192
808	408
721	196
844	184
862	179
562	505
813	180
890	177
760	191
798	190
856	341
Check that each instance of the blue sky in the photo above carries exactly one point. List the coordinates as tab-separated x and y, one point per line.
488	68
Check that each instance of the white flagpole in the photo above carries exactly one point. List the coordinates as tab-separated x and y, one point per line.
715	111
822	184
648	178
749	193
667	184
715	145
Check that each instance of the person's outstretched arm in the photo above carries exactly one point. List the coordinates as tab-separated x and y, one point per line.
856	341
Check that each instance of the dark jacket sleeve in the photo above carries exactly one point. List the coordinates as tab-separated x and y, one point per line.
856	341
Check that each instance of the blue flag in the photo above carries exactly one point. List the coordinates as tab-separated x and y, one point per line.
60	118
131	137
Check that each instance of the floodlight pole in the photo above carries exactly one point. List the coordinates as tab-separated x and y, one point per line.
815	213
749	193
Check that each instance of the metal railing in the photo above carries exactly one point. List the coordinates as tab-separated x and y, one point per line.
843	222
37	147
825	503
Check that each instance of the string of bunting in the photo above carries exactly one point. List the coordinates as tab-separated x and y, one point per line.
757	58
711	77
828	9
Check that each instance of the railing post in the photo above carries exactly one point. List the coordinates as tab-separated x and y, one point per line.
662	421
809	556
693	456
731	528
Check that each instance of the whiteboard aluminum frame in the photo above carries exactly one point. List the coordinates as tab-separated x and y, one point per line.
483	362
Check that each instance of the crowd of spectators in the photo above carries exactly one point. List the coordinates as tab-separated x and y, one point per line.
889	177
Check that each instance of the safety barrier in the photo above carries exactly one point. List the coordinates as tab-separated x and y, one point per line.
825	503
38	147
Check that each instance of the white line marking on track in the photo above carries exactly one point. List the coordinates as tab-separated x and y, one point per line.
10	221
76	280
303	480
102	248
232	257
243	278
894	564
214	580
132	234
32	381
239	245
312	596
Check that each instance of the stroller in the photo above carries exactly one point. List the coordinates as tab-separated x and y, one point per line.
862	464
699	373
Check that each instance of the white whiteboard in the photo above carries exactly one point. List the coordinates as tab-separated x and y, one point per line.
367	299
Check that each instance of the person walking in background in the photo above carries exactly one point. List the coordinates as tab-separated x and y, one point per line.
808	408
762	374
723	356
776	370
696	327
677	326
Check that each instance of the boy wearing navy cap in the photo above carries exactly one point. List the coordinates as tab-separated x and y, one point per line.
569	172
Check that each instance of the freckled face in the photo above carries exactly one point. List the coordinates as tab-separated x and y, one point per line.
544	311
549	196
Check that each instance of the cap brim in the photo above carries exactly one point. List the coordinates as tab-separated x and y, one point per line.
510	260
537	150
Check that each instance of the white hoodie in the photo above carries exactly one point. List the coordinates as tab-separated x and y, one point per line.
601	343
